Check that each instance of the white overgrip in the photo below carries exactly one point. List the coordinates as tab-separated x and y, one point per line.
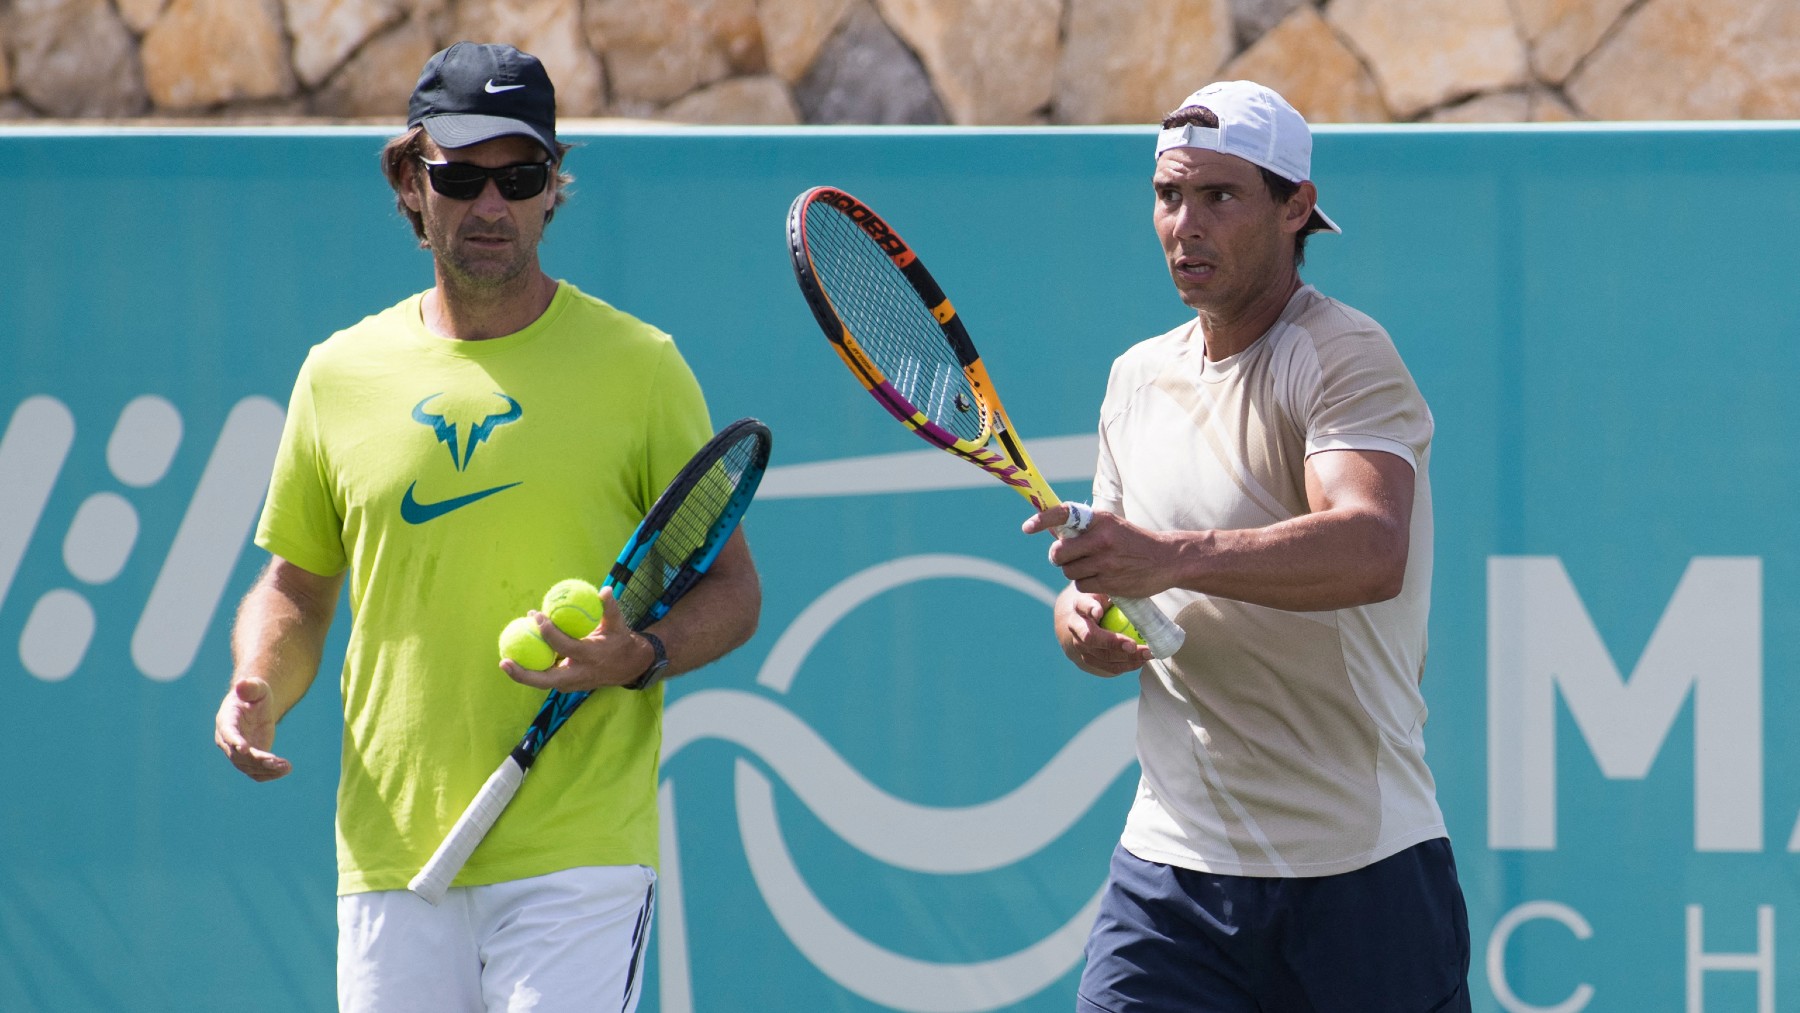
434	879
1160	633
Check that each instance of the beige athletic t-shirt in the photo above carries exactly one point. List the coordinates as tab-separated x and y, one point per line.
1274	743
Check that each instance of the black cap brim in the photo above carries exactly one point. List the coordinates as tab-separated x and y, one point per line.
460	130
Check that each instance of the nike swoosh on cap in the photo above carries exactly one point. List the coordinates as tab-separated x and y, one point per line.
414	512
495	89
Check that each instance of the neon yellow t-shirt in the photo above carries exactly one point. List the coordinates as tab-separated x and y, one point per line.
458	480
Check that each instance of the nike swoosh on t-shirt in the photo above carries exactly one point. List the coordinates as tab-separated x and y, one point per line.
414	512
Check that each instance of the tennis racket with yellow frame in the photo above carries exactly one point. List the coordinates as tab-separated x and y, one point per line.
892	325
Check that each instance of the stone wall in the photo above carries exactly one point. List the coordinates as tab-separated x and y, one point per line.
913	61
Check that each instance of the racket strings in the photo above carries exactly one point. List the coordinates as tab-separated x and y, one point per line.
886	316
706	514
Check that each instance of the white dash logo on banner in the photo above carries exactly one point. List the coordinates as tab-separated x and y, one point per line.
102	535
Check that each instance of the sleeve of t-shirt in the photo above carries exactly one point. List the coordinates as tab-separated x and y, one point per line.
301	520
1366	400
677	422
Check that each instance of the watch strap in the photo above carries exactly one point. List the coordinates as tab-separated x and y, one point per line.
658	665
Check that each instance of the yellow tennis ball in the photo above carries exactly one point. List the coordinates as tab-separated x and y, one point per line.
574	606
1115	621
521	642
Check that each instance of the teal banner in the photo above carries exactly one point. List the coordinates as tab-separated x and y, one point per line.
899	796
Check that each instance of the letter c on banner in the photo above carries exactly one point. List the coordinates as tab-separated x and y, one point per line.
1496	955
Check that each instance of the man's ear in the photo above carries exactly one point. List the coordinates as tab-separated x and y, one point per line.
410	186
1300	207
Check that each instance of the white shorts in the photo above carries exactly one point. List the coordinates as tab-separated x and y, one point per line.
570	940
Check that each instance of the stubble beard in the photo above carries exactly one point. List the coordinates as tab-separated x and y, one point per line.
1243	292
481	272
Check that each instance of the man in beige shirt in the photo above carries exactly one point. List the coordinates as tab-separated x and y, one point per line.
1264	475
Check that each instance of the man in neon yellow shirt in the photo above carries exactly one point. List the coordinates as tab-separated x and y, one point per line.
455	455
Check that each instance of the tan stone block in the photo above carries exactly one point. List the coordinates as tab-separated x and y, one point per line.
991	61
261	112
1494	107
1695	59
1529	105
376	82
550	30
1771	63
5	62
207	52
139	15
761	100
793	31
659	50
1132	61
1548	107
1561	32
327	31
1425	53
1304	60
74	58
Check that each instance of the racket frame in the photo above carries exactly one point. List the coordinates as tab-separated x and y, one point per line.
1013	466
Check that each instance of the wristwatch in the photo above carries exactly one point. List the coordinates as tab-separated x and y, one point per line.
658	665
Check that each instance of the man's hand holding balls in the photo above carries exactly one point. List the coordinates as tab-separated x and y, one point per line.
578	641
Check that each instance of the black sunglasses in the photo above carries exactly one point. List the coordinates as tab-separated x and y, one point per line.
464	181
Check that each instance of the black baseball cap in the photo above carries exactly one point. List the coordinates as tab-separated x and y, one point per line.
474	92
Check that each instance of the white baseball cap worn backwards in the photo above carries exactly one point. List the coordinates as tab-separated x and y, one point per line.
1258	126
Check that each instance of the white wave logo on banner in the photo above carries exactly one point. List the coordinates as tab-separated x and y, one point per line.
925	839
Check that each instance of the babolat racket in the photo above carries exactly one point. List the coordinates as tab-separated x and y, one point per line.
668	553
894	328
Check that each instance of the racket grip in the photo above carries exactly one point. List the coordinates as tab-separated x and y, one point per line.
1160	633
434	879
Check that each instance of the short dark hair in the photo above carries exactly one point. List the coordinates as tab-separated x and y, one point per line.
410	146
1280	187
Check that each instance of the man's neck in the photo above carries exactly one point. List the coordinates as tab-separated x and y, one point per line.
464	314
1225	337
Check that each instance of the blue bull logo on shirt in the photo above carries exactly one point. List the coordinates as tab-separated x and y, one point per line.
479	432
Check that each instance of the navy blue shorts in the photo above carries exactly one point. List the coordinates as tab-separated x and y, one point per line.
1389	938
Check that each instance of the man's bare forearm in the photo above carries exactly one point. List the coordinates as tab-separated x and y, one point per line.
279	636
718	615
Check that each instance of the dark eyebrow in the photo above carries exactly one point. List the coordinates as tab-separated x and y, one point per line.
1159	182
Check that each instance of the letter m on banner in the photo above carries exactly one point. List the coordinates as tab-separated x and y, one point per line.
1542	643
